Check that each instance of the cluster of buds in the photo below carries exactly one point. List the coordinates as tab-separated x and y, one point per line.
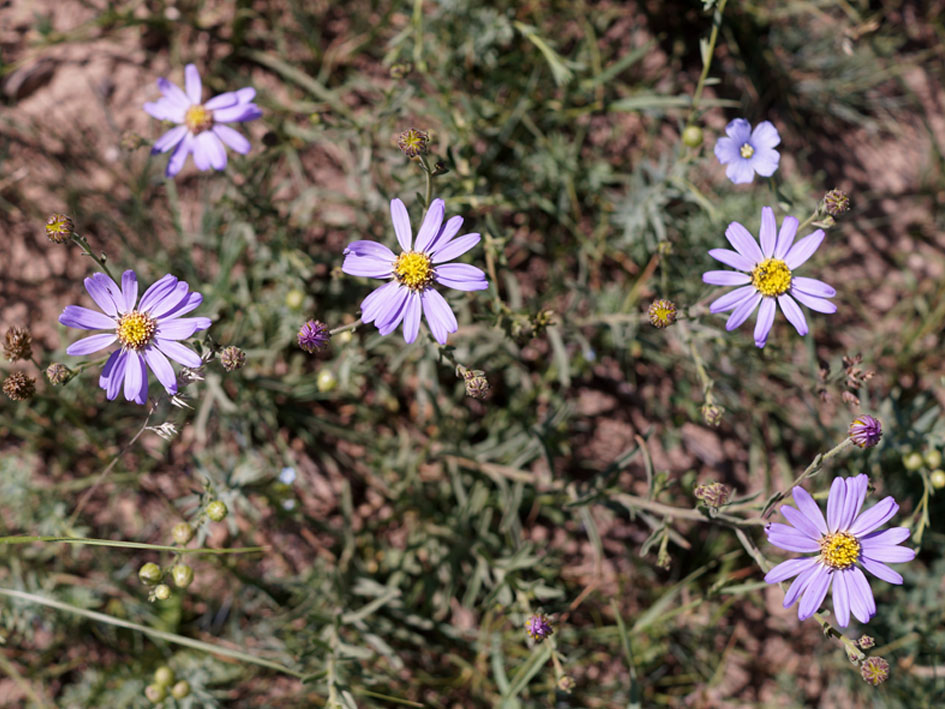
19	386
854	378
157	691
17	344
713	494
538	627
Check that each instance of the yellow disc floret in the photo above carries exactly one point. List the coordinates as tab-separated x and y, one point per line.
746	151
198	119
839	550
135	330
414	270
771	277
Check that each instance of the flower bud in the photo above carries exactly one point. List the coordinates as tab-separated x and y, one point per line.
400	70
865	642
294	299
692	136
712	414
538	627
232	358
58	373
156	693
933	458
181	689
836	203
865	431
937	478
183	575
566	683
477	385
326	380
59	228
162	592
413	142
19	386
713	494
163	676
875	670
912	461
18	344
150	573
662	313
313	336
182	533
216	511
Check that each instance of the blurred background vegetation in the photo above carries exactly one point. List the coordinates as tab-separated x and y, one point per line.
409	531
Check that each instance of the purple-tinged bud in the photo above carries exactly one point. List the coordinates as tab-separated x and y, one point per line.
836	203
413	142
314	336
865	642
865	431
59	228
875	670
712	414
538	627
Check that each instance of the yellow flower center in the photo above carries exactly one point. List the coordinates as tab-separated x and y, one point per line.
414	270
839	550
135	330
198	119
746	151
771	277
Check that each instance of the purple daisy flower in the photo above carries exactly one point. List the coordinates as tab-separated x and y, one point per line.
148	332
846	541
748	151
767	276
413	273
200	128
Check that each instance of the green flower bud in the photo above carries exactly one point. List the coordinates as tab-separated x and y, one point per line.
182	533
294	299
692	136
181	689
150	573
933	458
163	676
156	693
216	511
183	575
912	461
162	592
938	478
326	380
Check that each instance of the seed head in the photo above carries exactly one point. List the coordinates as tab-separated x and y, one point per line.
413	142
59	228
58	373
19	386
18	344
865	642
865	431
216	510
538	627
836	203
713	494
875	670
477	385
314	336
232	358
662	313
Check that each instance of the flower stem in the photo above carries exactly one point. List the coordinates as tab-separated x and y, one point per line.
707	63
345	328
816	464
87	250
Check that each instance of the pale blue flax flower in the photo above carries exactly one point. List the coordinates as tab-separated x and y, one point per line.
421	264
748	151
201	128
149	331
766	276
846	543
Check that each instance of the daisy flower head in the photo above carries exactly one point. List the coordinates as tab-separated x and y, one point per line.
766	277
748	151
201	127
412	274
846	543
149	331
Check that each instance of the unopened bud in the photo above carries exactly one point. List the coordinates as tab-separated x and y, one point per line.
181	689
156	693
131	141
413	142
58	373
232	358
182	533
538	627
836	203
865	642
400	70
712	414
18	344
477	385
933	458
59	228
162	592
150	573
163	675
692	136
865	431
566	683
875	670
713	494
216	511
183	575
937	478
313	336
19	386
662	313
912	461
326	381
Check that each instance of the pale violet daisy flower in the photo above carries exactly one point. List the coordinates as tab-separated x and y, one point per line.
767	276
421	263
201	128
846	543
748	151
149	331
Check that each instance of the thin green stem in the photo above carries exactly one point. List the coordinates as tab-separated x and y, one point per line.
127	545
816	464
707	61
345	328
87	250
428	175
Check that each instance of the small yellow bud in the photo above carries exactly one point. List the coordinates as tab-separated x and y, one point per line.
912	461
181	689
162	592
326	380
182	533
163	676
938	479
150	573
933	458
294	299
216	511
183	575
156	693
692	136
